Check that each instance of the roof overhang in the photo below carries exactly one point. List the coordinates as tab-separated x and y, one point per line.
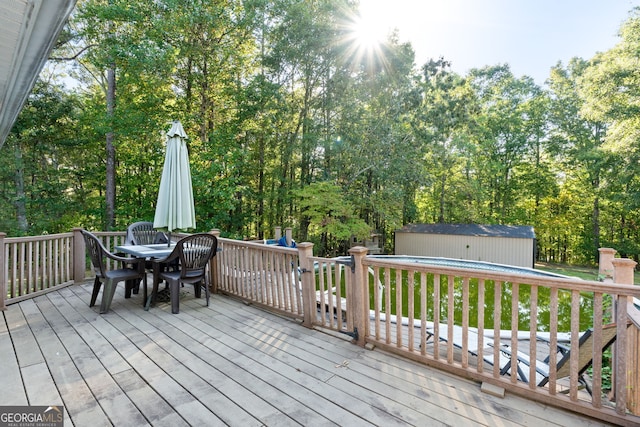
28	31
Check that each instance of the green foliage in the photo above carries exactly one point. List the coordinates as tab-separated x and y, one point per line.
43	158
333	219
291	123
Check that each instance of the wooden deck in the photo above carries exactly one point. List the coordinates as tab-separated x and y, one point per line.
228	364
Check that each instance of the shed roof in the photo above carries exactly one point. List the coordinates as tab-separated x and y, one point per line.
495	230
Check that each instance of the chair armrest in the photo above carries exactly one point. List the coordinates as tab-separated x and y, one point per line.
166	259
125	260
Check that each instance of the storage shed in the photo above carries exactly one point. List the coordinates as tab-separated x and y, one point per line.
501	244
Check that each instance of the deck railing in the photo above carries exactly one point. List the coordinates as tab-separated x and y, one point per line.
260	274
273	277
30	266
433	324
431	314
33	265
436	329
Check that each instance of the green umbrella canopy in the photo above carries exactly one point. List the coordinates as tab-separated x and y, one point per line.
175	208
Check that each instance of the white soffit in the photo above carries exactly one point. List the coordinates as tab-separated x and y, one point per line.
28	31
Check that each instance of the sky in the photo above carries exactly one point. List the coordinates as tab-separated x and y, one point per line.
530	35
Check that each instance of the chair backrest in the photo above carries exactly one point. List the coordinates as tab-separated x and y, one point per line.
194	252
585	350
96	251
143	233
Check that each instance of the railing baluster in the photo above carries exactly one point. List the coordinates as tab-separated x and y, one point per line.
387	304
423	312
596	384
436	316
515	307
3	271
480	304
533	336
465	322
450	316
497	326
575	338
553	344
398	308
410	308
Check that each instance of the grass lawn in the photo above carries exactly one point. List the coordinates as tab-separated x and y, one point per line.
586	273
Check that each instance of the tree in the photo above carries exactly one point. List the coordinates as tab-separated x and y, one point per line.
503	135
332	219
442	125
46	151
577	145
117	43
611	92
375	157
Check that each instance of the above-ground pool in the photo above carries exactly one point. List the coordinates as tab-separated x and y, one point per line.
586	305
463	263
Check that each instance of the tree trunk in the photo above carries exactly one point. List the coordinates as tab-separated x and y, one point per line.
596	226
261	167
20	203
110	191
443	183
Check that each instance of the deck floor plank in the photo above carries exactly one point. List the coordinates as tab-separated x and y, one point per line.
78	400
453	390
120	409
289	379
444	408
291	365
185	332
328	353
228	364
457	394
13	387
292	362
161	393
25	344
112	349
148	341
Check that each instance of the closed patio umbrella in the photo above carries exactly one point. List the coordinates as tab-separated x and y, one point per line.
175	208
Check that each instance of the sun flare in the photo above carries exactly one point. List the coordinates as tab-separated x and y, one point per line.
365	40
367	33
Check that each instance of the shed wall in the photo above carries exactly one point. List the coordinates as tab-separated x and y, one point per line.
500	250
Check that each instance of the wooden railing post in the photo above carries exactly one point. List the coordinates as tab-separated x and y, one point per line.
623	270
278	233
622	274
213	266
3	272
358	295
79	257
288	236
605	274
605	265
308	280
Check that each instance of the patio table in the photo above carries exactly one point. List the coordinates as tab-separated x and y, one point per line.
158	250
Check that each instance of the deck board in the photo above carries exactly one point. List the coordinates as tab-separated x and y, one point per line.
13	391
226	364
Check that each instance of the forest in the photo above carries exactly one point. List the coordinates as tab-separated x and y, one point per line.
292	123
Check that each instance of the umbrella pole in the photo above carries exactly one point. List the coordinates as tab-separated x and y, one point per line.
169	239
